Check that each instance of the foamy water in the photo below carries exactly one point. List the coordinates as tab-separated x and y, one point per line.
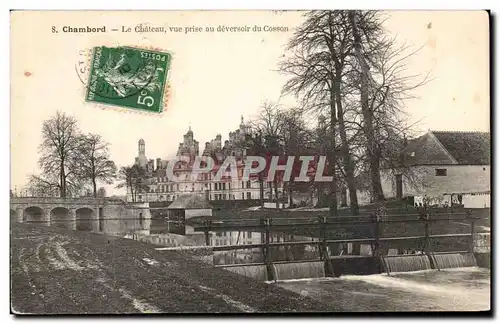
464	289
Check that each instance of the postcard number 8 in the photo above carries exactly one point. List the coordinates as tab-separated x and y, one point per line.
144	100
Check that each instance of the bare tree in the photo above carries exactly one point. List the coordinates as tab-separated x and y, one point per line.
134	179
269	124
95	164
371	153
59	144
49	186
254	146
42	187
379	80
320	48
343	64
298	140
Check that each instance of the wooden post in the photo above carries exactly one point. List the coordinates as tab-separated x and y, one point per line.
325	256
427	234
262	224
428	243
472	229
376	219
268	239
207	232
268	260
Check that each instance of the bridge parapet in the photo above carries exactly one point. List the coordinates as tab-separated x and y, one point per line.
103	214
56	201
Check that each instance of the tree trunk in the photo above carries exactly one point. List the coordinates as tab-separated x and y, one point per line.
261	191
377	193
132	194
332	158
346	156
276	194
94	184
63	180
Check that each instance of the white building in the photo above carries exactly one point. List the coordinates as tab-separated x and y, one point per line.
444	166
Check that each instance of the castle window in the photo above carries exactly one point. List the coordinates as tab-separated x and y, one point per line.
249	195
441	172
248	184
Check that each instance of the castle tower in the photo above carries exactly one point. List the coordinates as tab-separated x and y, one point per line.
141	160
142	147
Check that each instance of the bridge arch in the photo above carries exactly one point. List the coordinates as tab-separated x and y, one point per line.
59	217
33	214
84	219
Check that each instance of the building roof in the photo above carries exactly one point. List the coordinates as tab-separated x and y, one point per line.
472	148
190	201
438	147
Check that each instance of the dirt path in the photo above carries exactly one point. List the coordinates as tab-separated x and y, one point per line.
65	272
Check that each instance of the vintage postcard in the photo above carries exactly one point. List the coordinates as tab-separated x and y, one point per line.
249	162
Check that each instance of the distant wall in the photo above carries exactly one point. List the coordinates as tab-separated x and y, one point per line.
125	218
234	204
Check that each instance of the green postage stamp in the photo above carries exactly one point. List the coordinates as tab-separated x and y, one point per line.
128	77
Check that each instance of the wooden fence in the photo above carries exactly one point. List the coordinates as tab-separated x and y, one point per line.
267	225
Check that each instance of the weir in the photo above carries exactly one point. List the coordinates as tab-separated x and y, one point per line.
299	270
258	272
455	260
406	263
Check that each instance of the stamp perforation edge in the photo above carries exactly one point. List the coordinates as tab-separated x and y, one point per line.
165	93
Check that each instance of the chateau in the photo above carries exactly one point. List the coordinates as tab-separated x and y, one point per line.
163	189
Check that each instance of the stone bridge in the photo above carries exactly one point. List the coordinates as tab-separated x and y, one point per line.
111	216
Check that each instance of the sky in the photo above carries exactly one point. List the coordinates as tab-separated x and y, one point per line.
218	77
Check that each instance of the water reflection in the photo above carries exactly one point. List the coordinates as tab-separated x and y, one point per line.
302	252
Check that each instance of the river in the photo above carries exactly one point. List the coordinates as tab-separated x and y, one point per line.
460	289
